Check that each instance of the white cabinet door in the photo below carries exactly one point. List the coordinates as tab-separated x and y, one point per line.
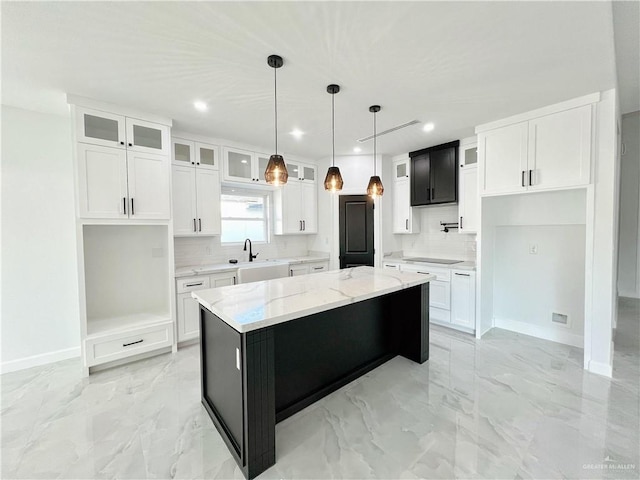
238	166
309	173
560	149
148	180
222	279
296	270
260	165
183	152
208	201
184	200
468	201
188	317
207	156
288	208
147	137
440	294
463	299
100	128
401	206
102	182
309	201
503	159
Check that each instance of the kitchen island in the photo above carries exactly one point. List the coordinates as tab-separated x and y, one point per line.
271	348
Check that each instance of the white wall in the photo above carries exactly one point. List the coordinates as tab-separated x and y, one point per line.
629	235
40	313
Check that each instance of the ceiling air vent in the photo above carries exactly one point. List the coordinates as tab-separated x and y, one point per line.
392	129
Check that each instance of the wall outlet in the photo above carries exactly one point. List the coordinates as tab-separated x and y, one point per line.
533	248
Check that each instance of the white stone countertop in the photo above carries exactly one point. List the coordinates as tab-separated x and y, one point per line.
256	305
230	267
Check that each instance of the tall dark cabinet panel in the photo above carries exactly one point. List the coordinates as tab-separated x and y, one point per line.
434	175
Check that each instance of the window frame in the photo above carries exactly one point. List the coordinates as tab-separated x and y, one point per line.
266	196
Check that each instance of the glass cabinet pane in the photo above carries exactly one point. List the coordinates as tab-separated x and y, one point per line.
471	155
401	170
99	127
309	173
294	170
239	165
207	156
147	137
262	166
182	152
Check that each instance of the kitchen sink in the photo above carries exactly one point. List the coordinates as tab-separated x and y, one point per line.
265	270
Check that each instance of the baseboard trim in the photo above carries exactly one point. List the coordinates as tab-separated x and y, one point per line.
37	360
537	331
600	368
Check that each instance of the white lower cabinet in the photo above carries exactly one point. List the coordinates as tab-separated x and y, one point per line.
451	295
306	268
463	298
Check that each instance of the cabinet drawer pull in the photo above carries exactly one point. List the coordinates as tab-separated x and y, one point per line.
462	274
132	343
124	205
193	284
132	210
424	273
318	268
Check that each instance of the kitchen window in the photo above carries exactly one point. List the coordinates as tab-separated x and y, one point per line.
244	215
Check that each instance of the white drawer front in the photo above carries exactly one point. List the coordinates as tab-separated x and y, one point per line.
440	294
318	267
191	284
146	339
442	274
439	315
391	266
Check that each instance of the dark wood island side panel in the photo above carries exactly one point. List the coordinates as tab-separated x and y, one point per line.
252	380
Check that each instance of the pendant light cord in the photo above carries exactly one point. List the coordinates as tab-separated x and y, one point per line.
275	101
374	143
333	131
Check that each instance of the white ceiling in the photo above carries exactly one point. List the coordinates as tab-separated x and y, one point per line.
451	63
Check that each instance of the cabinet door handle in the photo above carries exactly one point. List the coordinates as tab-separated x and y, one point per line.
460	224
530	175
523	178
304	225
199	224
121	143
132	343
193	284
132	210
406	224
433	193
124	205
300	225
194	225
131	144
462	274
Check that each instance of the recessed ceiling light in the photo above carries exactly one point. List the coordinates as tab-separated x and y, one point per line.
428	127
243	161
200	106
297	133
357	149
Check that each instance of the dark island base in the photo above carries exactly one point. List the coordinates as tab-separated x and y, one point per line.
252	380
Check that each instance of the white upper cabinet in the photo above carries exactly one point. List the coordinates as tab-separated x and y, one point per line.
196	188
404	220
560	149
244	166
296	203
503	159
468	189
111	130
549	150
102	182
148	181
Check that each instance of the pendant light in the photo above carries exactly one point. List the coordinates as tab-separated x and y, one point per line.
333	181
375	188
276	171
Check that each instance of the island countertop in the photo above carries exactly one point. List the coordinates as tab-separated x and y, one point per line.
251	306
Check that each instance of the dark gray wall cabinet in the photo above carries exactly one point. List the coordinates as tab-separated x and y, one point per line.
434	175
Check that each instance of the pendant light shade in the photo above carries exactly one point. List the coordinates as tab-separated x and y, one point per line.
276	171
333	181
375	187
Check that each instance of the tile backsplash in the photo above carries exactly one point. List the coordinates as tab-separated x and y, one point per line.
433	242
208	250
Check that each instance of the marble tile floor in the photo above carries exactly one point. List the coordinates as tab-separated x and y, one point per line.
509	406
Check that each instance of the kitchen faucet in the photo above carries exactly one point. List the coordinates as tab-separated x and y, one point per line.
251	255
